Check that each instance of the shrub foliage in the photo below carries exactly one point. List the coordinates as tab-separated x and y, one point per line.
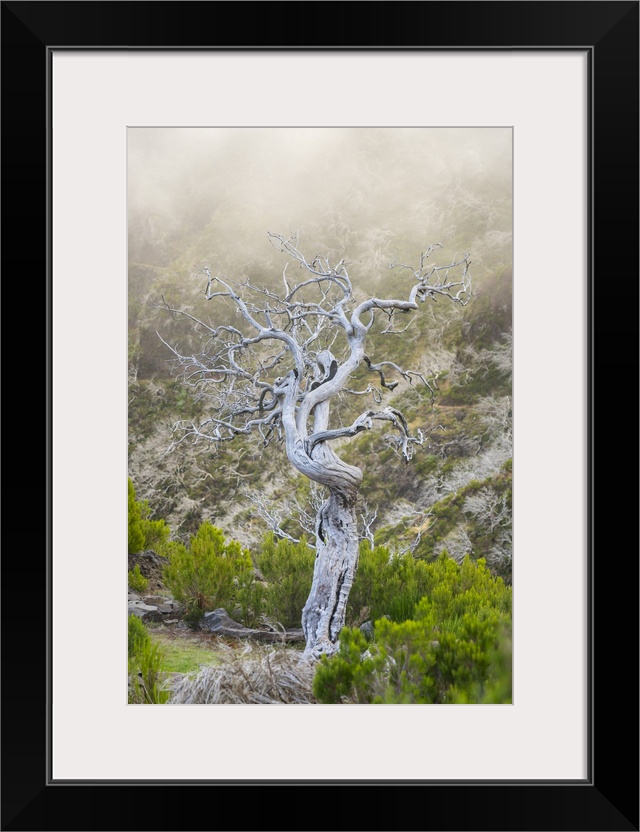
288	568
145	663
455	649
137	581
143	532
208	573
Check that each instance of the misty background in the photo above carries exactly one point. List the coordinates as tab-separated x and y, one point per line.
364	193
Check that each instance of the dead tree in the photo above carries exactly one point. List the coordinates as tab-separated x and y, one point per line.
274	368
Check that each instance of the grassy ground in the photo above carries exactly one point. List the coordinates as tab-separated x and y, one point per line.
184	652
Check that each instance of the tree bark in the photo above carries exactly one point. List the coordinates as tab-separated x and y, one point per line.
337	543
336	562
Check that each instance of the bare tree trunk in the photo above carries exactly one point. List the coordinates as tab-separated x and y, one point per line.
337	543
336	561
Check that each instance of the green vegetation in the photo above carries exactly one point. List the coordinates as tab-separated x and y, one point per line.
455	648
249	599
441	632
386	584
143	532
212	572
136	535
155	655
145	666
137	581
479	514
138	635
456	512
182	655
288	567
208	573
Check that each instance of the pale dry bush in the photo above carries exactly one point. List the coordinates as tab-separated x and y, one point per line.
457	543
255	675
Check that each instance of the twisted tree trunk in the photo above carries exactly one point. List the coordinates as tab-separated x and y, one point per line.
336	562
337	545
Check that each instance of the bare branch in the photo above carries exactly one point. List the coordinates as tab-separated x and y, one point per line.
436	280
271	516
365	422
368	517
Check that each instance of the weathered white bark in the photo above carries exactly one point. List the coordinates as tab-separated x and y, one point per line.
336	562
337	543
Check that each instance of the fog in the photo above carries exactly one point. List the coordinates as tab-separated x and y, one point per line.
208	196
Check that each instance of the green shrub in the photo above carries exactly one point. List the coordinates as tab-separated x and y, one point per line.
145	663
288	567
146	676
143	533
137	581
456	649
137	633
250	599
156	534
387	584
208	573
136	535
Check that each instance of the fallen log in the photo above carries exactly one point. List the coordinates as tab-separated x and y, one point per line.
220	623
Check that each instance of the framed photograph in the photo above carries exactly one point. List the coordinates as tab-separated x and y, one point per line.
91	92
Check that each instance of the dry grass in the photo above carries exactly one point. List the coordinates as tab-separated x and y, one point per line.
256	675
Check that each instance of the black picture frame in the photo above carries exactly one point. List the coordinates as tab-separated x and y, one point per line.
608	798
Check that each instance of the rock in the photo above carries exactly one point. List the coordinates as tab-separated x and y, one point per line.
165	609
160	600
151	567
170	620
367	629
165	603
146	612
147	606
220	620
